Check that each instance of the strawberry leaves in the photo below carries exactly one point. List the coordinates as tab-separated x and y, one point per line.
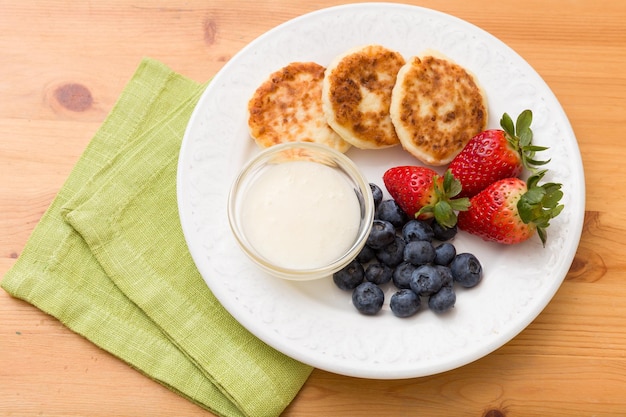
540	204
445	206
520	138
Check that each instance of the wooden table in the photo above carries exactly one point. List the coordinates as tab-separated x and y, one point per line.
62	66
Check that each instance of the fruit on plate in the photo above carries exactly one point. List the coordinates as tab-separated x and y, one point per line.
496	154
350	276
419	252
443	300
404	303
424	194
378	273
444	253
466	270
511	211
368	298
382	234
412	259
426	280
390	211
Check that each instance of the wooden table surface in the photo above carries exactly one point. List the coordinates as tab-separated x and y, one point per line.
62	66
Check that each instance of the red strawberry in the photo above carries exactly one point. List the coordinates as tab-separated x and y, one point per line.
424	194
510	210
496	154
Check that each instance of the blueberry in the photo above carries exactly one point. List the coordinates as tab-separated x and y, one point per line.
426	280
466	270
392	254
377	193
350	276
390	211
368	298
404	303
382	234
447	280
402	275
443	300
366	255
378	273
419	252
417	230
443	234
444	253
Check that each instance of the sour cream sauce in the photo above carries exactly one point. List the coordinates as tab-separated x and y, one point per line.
301	215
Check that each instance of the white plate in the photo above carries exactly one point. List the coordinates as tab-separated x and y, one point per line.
314	322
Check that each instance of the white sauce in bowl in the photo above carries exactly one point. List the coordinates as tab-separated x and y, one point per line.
300	215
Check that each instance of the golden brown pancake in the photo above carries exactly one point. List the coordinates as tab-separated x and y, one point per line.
436	107
357	94
287	107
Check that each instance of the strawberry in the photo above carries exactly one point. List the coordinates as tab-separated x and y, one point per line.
496	154
424	194
510	210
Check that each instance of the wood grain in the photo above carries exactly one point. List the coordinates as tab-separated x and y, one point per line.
63	65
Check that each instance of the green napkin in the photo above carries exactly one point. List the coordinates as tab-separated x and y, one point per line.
109	260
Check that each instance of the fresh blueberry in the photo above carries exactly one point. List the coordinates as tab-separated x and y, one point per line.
368	298
443	300
390	211
404	303
378	273
366	254
444	254
350	276
402	275
382	234
419	252
426	280
417	230
377	193
443	234
466	270
392	254
447	280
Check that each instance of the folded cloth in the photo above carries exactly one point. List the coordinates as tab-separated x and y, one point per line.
109	260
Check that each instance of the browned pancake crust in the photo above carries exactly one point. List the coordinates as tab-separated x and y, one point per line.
287	107
440	109
371	69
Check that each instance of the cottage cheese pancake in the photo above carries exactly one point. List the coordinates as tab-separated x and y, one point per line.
287	107
357	93
436	107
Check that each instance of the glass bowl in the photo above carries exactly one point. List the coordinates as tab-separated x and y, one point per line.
301	210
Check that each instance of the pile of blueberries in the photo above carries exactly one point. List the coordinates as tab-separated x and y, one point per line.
415	255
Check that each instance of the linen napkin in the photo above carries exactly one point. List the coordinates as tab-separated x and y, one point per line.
109	260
